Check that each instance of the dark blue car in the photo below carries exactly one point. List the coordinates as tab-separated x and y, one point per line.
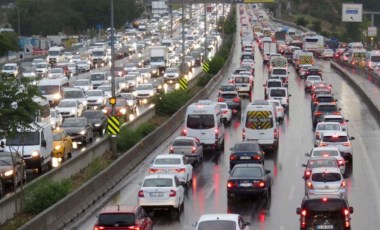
246	152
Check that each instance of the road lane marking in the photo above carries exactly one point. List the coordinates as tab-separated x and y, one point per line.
291	193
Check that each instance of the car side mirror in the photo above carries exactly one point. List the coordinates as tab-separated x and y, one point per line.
340	109
352	138
347	120
43	143
304	165
289	95
298	211
351	209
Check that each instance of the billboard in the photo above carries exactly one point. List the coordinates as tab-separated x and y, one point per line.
352	12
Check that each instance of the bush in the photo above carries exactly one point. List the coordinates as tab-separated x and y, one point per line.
216	64
127	138
301	21
44	194
316	26
204	79
168	104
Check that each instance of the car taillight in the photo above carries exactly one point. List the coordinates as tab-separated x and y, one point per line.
303	212
193	150
336	113
243	134
221	99
275	133
348	144
236	99
307	174
231	184
151	170
233	157
309	184
322	144
171	149
260	184
317	113
184	132
180	170
136	227
141	193
256	157
96	227
341	162
216	133
172	193
225	111
343	184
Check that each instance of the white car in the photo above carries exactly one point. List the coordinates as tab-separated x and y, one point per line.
248	62
221	222
10	70
83	84
328	53
131	101
145	73
69	108
162	191
280	111
337	118
341	140
325	127
144	91
329	151
56	73
226	112
310	80
95	98
173	164
56	119
171	75
42	68
303	69
83	66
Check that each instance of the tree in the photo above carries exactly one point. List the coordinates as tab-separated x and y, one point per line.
8	42
316	26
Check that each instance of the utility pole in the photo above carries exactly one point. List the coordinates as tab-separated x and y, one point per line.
113	137
171	20
205	14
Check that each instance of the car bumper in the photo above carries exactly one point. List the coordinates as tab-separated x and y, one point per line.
327	192
233	163
32	162
158	204
245	192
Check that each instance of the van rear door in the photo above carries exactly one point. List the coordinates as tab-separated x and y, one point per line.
201	126
259	125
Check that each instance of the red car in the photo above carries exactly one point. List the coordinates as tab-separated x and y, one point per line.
123	217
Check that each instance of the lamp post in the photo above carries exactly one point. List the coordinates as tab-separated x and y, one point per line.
18	22
113	137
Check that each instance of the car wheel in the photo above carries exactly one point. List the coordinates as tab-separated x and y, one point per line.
92	137
40	167
1	189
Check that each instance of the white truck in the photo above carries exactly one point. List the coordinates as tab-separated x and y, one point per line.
99	56
55	55
159	57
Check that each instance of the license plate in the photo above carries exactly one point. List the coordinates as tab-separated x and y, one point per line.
245	184
156	194
325	227
245	158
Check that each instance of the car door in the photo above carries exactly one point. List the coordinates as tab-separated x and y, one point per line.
180	190
67	142
189	169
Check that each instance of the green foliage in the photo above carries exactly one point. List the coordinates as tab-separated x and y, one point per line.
204	79
316	26
216	64
127	138
301	21
8	42
168	104
44	194
71	16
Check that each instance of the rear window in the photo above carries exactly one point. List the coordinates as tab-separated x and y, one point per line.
167	161
335	139
325	99
247	172
242	79
334	120
327	108
200	121
158	182
217	225
116	219
318	205
279	71
325	127
246	147
326	177
228	95
277	93
227	88
274	84
322	163
183	143
325	153
259	120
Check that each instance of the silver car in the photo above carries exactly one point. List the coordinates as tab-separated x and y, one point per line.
188	146
331	151
341	140
324	181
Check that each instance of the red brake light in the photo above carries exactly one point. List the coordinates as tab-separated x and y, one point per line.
231	184
322	144
317	113
180	170
172	193
184	132
260	184
256	157
225	111
151	170
243	134
134	227
220	99
346	212
336	113
233	157
141	193
171	149
303	213
343	184
341	162
193	150
236	99
324	199
307	174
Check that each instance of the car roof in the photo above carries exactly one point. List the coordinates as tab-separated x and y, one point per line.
250	165
187	137
325	148
207	217
159	175
174	156
326	169
119	208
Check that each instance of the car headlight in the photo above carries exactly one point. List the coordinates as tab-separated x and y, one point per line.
130	103
176	75
104	111
57	96
151	93
58	147
98	125
72	111
123	111
84	103
83	132
8	173
159	87
35	153
100	100
154	71
134	93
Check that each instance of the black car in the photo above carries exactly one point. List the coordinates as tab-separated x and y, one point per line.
249	180
326	98
325	212
79	129
97	119
324	109
246	152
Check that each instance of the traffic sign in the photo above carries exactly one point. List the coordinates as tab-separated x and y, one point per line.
372	31
183	83
112	100
113	125
206	66
352	12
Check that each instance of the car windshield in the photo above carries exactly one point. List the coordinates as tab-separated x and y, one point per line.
217	225
200	121
67	104
41	66
116	219
5	161
105	88
73	94
183	142
57	136
74	123
322	163
97	77
335	139
325	99
326	177
167	161
144	87
94	93
171	71
82	63
227	88
325	153
247	172
279	71
48	89
24	138
158	182
130	78
127	96
325	127
327	108
277	93
92	114
246	147
241	79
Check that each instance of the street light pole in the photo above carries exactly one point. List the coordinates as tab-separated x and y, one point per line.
18	22
113	137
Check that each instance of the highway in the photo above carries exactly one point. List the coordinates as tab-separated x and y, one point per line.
208	191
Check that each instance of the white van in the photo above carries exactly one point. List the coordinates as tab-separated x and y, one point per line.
204	121
259	123
52	89
281	94
373	59
35	145
55	55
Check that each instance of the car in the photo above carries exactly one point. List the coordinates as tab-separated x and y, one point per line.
172	75
281	94
246	152
69	108
95	98
318	98
122	83
83	66
249	180
313	70
122	217
56	73
173	164
79	129
131	101
75	94
280	111
190	147
303	70
107	89
144	91
310	80
121	108
232	99
337	118
323	109
162	192
97	119
119	71
226	112
341	140
322	127
325	212
10	70
62	145
221	222
29	72
12	170
42	69
271	83
73	69
132	80
56	118
327	54
320	86
329	151
227	88
318	162
145	73
83	84
325	181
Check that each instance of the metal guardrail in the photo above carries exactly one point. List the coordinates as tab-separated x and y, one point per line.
66	210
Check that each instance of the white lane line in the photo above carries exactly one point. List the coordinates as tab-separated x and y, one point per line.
291	193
